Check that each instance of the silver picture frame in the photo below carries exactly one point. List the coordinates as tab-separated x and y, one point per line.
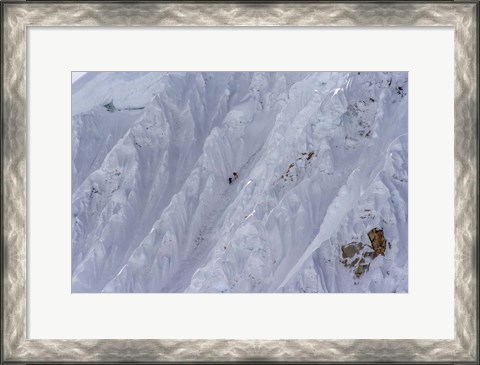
18	15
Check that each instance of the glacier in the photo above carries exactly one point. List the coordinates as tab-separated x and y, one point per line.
322	162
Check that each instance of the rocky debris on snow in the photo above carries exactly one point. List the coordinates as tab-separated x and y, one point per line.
309	156
289	173
358	256
110	107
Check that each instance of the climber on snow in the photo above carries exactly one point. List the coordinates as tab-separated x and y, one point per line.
232	179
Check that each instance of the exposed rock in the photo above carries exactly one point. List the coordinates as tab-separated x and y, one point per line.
351	249
361	268
377	239
110	107
357	255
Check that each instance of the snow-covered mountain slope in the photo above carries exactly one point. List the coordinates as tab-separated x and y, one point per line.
322	162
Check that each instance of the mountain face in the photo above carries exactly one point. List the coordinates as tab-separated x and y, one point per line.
319	202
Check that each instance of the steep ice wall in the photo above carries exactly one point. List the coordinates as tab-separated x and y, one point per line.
322	159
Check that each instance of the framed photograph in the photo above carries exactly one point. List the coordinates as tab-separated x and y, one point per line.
239	181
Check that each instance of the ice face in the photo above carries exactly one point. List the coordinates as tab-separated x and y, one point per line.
239	182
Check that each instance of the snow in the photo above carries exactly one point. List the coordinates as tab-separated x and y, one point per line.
76	75
322	158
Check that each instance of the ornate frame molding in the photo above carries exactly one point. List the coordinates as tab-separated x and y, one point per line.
18	15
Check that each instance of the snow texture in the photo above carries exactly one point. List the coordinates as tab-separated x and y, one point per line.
321	158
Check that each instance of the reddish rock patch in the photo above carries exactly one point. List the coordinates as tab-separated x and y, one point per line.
377	239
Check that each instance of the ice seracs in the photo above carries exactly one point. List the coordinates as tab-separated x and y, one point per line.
321	159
